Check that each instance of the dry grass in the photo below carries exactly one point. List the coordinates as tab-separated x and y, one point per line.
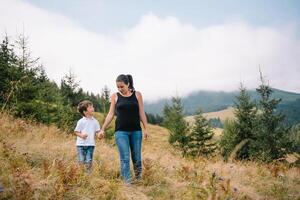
39	162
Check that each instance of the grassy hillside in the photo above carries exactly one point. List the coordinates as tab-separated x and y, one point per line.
39	162
227	113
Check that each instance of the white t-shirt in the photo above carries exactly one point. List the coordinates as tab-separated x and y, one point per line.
88	126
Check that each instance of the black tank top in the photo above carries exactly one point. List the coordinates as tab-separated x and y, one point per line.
127	111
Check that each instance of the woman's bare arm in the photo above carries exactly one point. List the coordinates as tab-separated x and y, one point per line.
110	114
143	117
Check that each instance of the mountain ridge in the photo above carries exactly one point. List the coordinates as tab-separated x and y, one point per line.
210	101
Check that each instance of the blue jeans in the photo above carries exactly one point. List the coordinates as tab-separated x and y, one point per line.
130	143
85	156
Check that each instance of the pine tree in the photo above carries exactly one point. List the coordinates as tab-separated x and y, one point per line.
8	73
199	140
272	137
25	85
174	121
105	97
229	138
25	60
47	101
69	88
245	114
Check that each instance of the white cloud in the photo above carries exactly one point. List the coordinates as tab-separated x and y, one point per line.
164	55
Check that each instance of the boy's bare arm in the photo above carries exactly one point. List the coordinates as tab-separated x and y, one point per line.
81	135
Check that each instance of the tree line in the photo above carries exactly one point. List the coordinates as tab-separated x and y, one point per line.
26	91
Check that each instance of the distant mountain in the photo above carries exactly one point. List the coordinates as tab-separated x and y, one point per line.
291	110
210	101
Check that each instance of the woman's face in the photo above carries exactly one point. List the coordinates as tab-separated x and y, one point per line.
122	87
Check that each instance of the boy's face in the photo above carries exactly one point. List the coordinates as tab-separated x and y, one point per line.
89	111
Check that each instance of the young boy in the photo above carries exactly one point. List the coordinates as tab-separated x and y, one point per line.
86	129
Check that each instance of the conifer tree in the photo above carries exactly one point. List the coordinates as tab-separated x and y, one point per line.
174	121
105	99
199	140
245	114
8	70
69	88
271	136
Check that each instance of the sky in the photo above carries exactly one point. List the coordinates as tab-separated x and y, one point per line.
169	47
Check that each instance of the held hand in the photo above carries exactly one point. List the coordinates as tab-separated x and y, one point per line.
83	135
101	134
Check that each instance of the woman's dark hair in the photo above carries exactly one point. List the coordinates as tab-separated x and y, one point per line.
126	79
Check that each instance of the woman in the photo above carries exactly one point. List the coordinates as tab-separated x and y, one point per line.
129	108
